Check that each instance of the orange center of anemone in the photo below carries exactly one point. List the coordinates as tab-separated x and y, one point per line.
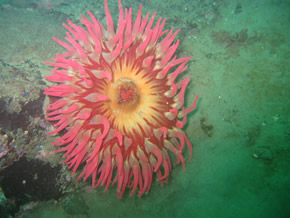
133	100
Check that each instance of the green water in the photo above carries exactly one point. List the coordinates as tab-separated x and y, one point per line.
240	130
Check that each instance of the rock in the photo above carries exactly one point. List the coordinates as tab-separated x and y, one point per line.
263	153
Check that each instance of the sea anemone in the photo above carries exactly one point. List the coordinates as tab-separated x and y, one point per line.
117	105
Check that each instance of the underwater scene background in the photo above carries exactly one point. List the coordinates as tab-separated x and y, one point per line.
239	130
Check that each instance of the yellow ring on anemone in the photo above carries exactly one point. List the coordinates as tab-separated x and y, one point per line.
117	101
